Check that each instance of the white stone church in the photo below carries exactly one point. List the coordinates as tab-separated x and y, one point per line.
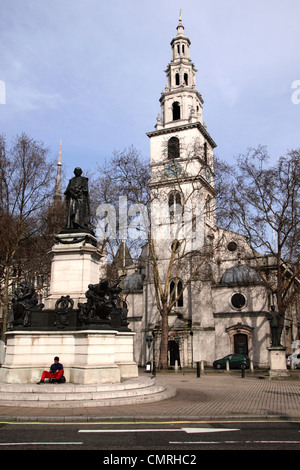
224	308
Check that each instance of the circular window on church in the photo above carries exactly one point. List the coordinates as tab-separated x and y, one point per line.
232	246
238	300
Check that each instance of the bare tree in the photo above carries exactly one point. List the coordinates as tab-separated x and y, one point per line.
171	271
25	188
122	183
262	203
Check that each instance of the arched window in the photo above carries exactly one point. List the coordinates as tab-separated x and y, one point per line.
175	291
173	148
180	293
172	291
171	207
176	216
177	79
208	207
175	207
176	111
178	200
205	152
186	79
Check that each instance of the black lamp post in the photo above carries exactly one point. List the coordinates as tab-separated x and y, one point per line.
154	367
149	340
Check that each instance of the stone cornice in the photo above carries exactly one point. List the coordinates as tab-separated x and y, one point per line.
183	180
239	313
183	127
180	37
179	90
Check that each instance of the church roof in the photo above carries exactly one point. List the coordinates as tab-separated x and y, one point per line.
123	257
241	275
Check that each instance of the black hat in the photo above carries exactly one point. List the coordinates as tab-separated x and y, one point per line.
56	358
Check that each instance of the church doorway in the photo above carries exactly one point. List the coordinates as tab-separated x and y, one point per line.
241	344
174	352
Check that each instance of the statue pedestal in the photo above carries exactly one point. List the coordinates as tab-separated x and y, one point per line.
277	361
75	265
88	356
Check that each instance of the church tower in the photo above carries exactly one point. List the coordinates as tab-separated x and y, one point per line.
181	149
199	295
183	223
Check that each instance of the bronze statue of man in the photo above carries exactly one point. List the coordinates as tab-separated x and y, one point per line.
77	203
275	327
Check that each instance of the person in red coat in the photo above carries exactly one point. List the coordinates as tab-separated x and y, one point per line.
56	371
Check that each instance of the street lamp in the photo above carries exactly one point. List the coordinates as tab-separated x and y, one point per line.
149	340
154	369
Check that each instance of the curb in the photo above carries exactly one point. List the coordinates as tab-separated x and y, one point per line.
139	419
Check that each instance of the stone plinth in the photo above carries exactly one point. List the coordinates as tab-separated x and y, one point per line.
75	265
88	356
67	395
277	361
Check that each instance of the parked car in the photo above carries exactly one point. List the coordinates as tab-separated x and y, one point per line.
295	358
236	361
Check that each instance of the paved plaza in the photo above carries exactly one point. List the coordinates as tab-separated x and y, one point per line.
212	396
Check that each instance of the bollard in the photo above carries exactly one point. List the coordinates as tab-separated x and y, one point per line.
198	369
153	370
243	370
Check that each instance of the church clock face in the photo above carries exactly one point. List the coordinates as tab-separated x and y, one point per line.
173	169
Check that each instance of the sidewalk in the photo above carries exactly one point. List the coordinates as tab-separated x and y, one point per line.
212	396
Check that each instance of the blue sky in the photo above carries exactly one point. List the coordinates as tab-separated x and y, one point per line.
90	72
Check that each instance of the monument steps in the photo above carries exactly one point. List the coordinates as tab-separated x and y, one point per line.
68	395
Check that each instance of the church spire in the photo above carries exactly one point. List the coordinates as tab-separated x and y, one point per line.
181	103
57	192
